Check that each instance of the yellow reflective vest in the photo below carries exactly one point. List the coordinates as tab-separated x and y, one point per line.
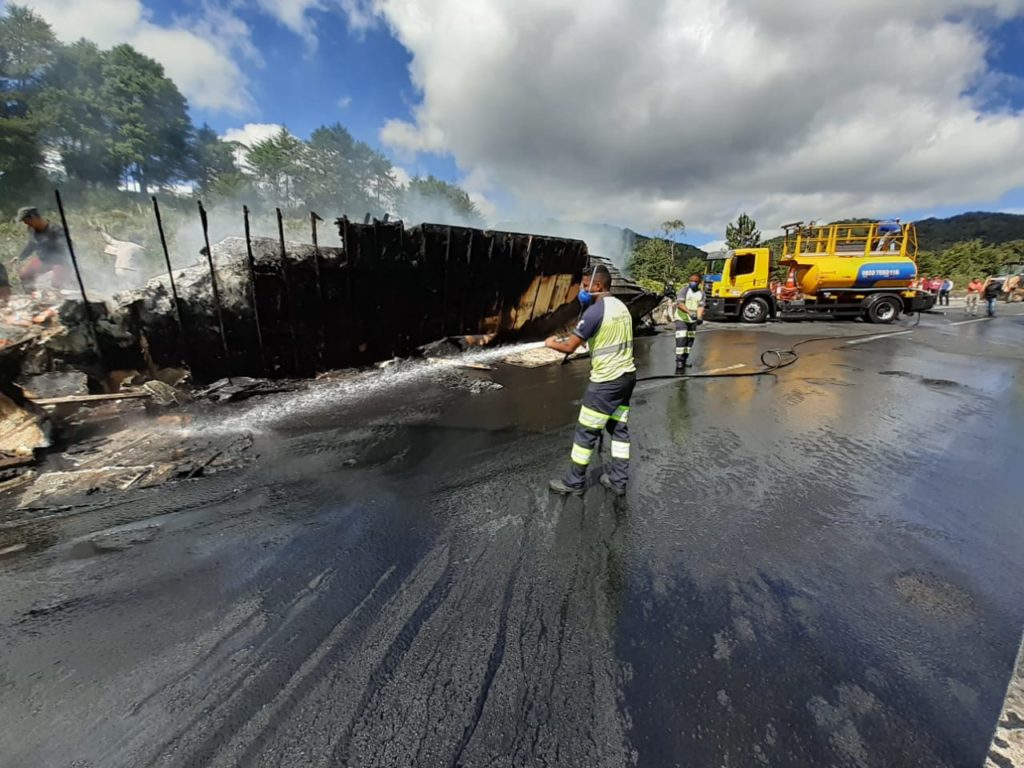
693	301
611	348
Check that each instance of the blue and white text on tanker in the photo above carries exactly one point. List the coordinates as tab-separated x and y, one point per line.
869	275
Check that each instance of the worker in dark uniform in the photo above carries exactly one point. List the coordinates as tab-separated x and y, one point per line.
608	328
46	251
689	314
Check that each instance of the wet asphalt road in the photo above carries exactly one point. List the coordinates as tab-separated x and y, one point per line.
821	567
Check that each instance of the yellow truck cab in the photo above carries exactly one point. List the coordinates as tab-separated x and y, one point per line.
860	269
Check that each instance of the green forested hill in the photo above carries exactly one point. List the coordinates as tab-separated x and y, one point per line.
991	228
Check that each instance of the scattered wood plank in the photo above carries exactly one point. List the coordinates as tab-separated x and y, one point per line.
69	399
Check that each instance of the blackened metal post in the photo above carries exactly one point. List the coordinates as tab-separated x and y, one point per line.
213	284
287	292
444	290
252	288
314	217
90	319
183	334
346	250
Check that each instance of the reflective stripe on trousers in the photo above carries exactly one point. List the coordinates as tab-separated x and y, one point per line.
686	333
605	407
591	419
581	455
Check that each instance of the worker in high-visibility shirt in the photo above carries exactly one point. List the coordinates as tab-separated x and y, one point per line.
607	327
689	314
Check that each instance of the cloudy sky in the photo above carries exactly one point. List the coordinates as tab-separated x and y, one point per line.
621	111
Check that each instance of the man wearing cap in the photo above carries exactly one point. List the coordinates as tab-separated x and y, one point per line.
45	251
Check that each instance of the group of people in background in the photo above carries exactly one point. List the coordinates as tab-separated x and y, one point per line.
988	289
940	286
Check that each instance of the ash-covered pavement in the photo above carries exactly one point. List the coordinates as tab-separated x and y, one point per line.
821	567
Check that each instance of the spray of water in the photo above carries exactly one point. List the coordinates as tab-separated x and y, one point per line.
327	396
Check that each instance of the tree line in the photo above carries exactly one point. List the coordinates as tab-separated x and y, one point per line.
101	120
658	261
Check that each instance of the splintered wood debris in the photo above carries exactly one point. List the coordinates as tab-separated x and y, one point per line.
536	358
136	457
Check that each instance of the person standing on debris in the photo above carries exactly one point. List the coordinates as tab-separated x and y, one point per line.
608	328
689	314
46	251
973	292
129	261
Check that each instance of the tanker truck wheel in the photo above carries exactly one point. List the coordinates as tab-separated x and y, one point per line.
755	311
885	310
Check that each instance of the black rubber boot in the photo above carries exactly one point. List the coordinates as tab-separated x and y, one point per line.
558	486
607	483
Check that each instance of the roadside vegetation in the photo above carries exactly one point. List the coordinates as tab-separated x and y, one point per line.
109	128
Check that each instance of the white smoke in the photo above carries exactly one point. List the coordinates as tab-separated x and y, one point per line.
614	243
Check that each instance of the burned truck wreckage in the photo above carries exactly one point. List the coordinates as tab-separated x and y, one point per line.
293	310
72	367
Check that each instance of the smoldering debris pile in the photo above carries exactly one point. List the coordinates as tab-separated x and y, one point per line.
262	307
27	326
142	455
257	314
385	292
294	309
48	358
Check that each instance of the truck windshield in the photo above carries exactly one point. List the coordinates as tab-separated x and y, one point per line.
715	266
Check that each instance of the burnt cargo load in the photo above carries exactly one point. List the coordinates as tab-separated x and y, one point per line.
384	293
639	301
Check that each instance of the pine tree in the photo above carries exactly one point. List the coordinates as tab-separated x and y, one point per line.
27	48
742	234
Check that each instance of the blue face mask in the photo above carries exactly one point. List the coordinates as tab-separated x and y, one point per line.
586	297
694	286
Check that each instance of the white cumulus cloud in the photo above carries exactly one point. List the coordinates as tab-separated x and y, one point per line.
699	109
251	133
297	15
712	246
196	53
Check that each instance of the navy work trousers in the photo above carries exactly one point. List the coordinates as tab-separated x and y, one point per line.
605	407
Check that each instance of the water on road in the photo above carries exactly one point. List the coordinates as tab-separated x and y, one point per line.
818	567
